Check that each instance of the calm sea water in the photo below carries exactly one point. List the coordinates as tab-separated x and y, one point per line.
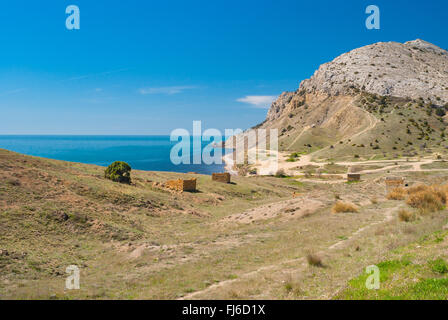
150	153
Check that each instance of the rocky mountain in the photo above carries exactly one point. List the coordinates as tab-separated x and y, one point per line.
373	90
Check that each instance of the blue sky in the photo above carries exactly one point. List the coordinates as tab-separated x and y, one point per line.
148	67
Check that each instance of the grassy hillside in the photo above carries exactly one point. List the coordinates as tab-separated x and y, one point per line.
54	213
247	240
414	272
404	128
361	126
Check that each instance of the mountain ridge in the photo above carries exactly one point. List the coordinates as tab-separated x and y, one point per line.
385	80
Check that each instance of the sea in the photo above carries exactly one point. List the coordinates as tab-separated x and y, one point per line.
150	153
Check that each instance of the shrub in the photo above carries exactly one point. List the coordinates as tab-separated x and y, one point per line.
314	260
292	287
439	266
13	182
293	157
280	173
405	215
440	112
417	188
340	206
119	171
397	194
427	199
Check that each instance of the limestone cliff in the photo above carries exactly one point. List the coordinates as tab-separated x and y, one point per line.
353	95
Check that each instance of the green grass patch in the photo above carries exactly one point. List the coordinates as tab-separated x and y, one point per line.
439	266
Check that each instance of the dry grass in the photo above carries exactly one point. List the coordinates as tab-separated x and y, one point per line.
405	215
138	213
14	182
380	231
292	287
344	207
417	188
94	221
428	198
314	260
280	173
397	194
422	197
410	229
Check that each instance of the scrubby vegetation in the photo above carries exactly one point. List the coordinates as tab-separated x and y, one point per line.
412	273
439	266
314	260
427	198
400	127
138	241
405	215
341	206
280	173
119	171
422	197
397	194
54	214
293	157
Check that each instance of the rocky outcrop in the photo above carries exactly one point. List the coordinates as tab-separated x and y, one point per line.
411	70
278	106
347	98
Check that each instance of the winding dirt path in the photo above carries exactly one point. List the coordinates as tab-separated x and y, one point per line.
301	262
298	137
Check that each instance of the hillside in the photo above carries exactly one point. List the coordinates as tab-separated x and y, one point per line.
302	232
386	100
54	214
246	240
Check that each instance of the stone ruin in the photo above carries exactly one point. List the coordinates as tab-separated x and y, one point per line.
394	182
353	177
179	185
221	177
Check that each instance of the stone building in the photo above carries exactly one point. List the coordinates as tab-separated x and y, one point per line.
221	177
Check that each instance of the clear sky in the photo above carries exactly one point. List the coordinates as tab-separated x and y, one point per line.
148	67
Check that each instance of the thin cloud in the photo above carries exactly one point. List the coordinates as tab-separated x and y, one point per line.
94	75
166	90
263	102
7	93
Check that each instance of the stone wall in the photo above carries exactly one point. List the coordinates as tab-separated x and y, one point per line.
189	185
353	177
181	185
394	182
221	177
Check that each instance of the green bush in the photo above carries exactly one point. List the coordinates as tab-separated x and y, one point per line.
439	266
119	171
440	112
280	173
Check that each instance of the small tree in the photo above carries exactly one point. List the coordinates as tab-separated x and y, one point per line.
280	173
440	112
119	171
